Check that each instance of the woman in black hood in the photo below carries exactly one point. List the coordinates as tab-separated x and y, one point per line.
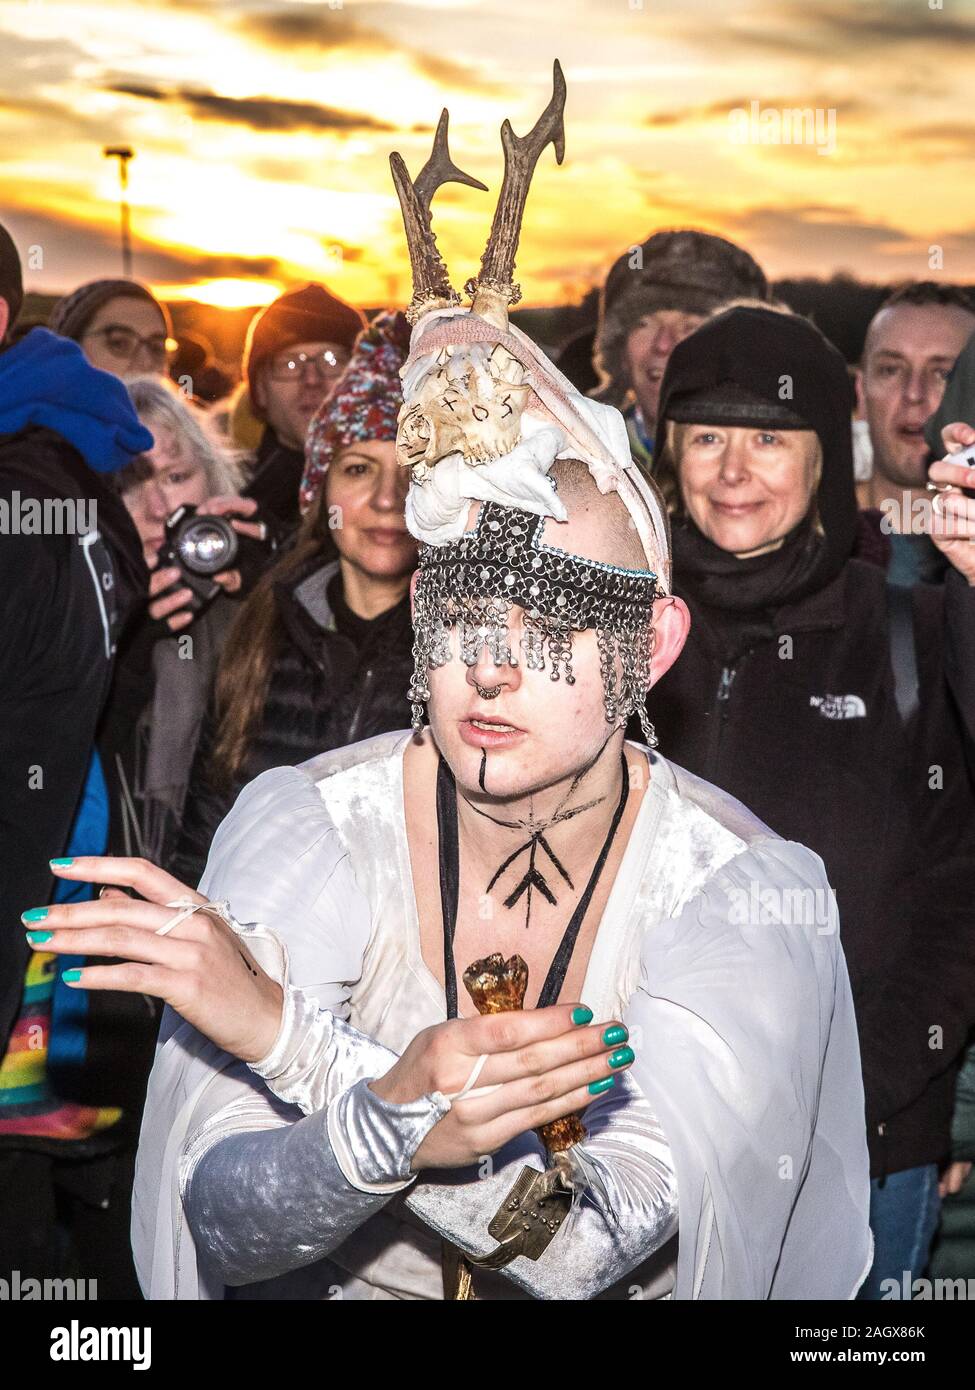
772	388
786	697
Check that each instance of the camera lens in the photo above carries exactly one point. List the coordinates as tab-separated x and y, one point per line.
206	544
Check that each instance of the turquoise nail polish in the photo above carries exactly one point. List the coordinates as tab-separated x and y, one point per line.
596	1088
616	1034
71	977
36	937
34	914
582	1015
621	1058
60	863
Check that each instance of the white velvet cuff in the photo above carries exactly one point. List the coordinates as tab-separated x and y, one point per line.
374	1141
316	1056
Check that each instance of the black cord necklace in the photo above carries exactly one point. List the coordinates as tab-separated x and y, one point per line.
449	854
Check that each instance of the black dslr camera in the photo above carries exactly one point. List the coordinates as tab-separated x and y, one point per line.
201	546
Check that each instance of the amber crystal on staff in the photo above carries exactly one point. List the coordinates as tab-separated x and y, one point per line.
498	986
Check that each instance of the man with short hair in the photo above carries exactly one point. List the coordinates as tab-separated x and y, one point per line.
655	296
911	346
296	350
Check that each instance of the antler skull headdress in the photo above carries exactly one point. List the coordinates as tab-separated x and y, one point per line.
485	414
493	288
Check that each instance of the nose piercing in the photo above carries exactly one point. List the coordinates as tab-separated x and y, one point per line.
486	694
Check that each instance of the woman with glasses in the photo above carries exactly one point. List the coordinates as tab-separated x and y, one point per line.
120	326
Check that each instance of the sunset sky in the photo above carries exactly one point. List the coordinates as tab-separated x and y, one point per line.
262	133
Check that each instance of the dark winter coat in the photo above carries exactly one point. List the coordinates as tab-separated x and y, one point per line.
63	604
805	731
274	483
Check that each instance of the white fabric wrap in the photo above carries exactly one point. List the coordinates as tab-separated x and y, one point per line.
572	427
436	509
747	1058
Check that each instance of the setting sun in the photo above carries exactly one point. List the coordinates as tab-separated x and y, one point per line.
227	294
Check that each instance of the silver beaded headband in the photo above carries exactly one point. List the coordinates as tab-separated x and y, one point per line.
472	584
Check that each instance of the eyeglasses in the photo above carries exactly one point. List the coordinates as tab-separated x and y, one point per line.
325	364
124	343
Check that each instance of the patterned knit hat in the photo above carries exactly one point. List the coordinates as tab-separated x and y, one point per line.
364	405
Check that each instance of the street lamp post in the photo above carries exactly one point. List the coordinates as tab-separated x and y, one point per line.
123	154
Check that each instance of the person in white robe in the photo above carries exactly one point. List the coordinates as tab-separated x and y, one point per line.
328	1114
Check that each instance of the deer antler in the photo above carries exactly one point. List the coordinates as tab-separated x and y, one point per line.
431	283
493	288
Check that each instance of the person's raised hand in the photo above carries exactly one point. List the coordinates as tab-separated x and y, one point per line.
237	508
541	1065
174	607
953	525
201	968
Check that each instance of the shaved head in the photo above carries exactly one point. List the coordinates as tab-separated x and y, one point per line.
599	526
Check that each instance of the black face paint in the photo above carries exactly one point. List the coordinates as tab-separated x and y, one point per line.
533	879
480	775
449	856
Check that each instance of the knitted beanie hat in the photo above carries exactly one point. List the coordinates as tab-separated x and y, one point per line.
365	403
690	271
309	315
71	315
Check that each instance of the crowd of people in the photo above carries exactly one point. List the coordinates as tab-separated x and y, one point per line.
827	681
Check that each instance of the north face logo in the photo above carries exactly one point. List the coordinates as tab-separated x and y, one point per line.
839	706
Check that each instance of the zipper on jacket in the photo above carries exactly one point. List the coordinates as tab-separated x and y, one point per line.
882	1136
719	714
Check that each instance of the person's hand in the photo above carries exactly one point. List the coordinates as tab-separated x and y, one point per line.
175	607
953	528
201	968
953	1179
539	1061
237	507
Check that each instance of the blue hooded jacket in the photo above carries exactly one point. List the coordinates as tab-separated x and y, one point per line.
46	380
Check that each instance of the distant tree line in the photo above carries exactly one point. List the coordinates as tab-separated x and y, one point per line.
841	306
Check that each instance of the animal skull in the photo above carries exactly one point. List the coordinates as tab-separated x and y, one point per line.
469	402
